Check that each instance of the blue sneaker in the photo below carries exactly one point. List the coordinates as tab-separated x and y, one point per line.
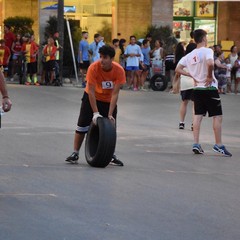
197	149
222	150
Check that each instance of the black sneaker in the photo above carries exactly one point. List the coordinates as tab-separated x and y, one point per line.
116	162
73	158
181	125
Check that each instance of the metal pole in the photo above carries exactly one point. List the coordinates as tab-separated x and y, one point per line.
61	36
73	55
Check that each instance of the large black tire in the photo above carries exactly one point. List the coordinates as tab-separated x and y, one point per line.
158	82
100	143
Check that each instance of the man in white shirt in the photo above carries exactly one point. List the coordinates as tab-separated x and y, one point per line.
200	64
132	52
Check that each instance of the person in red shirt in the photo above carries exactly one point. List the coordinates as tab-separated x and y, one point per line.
4	56
30	50
49	52
9	38
104	80
17	54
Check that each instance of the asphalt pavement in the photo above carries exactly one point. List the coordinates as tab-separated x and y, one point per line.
163	192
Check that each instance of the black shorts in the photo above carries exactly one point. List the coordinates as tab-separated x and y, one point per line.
169	65
84	65
32	68
207	101
50	65
86	113
187	94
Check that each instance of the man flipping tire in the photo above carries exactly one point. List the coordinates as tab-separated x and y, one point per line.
104	80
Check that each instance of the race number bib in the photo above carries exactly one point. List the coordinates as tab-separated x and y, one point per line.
195	60
107	85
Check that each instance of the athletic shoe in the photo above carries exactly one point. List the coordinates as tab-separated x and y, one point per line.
27	83
222	150
135	89
36	84
197	149
181	125
73	158
116	162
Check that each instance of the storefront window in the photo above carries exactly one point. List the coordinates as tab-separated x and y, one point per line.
182	8
93	15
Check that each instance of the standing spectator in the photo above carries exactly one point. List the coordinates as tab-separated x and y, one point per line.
157	53
148	37
237	80
83	56
220	71
57	61
95	46
17	55
200	65
5	55
49	52
6	103
122	43
228	75
9	38
30	50
104	80
186	90
179	53
146	61
233	56
115	43
132	52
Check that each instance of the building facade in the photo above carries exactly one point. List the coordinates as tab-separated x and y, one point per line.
125	17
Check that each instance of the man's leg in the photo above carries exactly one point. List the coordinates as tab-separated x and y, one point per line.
197	149
217	128
78	140
197	119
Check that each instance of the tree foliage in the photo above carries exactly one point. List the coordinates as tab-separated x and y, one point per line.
20	25
51	28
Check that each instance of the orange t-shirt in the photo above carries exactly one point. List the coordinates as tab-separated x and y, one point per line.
104	81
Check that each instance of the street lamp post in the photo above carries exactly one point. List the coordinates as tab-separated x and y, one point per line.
61	36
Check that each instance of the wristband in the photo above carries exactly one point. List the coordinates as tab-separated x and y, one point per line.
5	97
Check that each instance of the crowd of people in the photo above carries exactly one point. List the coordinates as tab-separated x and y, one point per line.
19	58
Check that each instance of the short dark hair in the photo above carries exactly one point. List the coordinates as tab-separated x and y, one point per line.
83	32
198	35
107	50
115	40
7	26
190	47
149	35
132	37
145	41
96	35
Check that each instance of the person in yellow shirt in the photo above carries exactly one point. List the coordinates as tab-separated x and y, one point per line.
115	43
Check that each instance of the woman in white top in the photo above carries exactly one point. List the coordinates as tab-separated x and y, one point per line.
233	57
157	52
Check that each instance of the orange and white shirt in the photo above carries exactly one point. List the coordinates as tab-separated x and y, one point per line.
104	81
